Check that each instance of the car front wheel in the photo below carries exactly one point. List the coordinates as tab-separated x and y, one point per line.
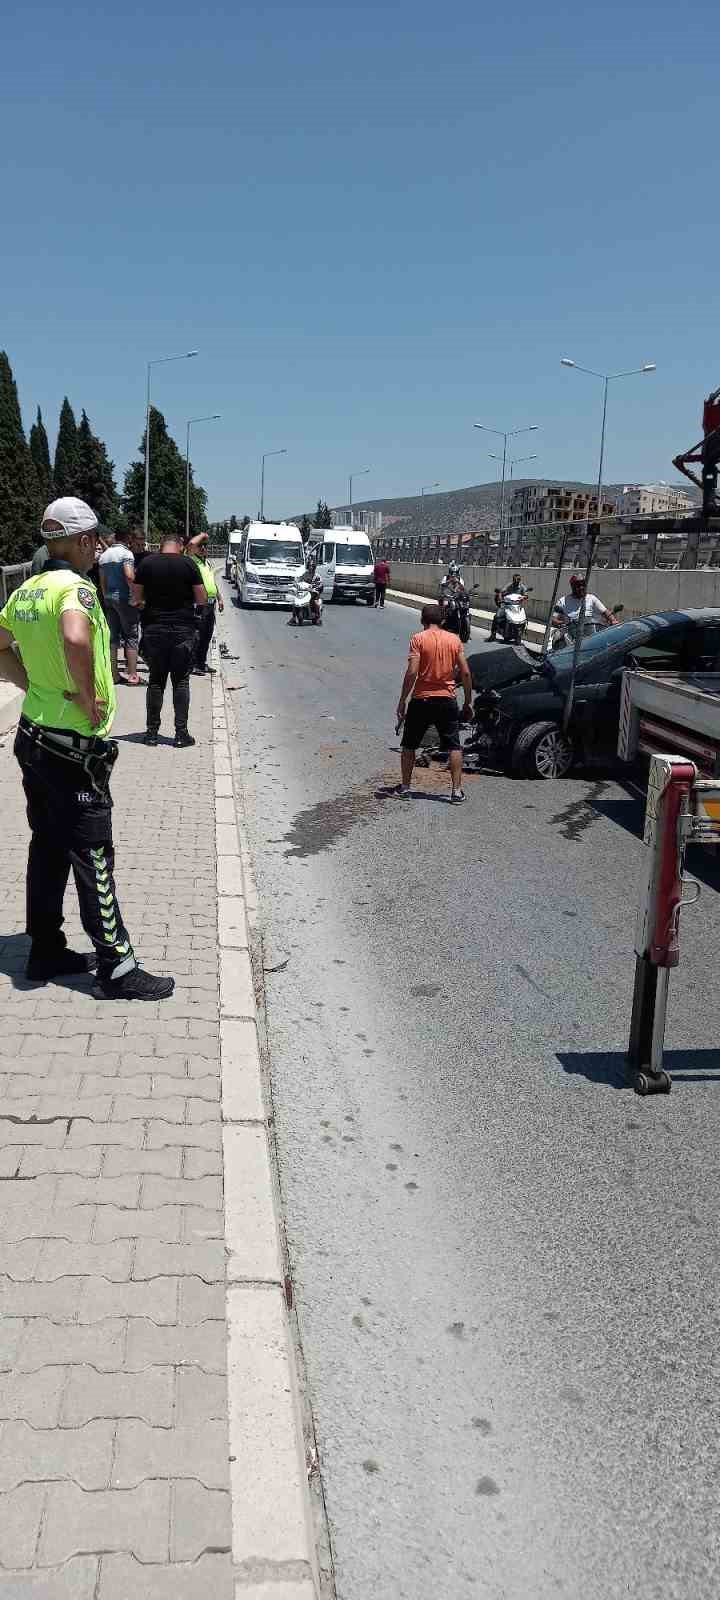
541	750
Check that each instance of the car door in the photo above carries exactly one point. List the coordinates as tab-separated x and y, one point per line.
326	567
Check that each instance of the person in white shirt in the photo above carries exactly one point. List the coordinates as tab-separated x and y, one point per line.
569	607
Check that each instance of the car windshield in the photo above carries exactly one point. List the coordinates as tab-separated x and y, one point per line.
285	552
353	555
596	644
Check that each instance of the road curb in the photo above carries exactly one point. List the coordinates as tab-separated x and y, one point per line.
273	1545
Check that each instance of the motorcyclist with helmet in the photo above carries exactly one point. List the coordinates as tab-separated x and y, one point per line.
569	608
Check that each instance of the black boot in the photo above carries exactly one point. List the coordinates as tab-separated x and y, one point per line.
136	985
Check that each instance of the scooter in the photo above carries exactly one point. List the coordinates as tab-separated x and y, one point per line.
301	604
510	616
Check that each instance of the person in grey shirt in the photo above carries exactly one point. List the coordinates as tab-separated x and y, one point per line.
117	578
39	560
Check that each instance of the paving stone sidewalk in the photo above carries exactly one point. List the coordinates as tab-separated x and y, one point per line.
113	1403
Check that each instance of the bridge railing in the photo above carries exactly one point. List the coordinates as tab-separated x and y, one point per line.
11	578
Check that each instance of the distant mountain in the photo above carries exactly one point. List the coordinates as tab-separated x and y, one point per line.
456	511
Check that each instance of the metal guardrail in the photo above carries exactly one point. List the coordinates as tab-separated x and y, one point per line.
11	578
674	543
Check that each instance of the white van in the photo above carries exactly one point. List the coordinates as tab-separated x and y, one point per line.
270	556
345	563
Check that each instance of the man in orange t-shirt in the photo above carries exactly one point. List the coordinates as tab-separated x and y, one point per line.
435	665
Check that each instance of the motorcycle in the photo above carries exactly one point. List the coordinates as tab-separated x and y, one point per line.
301	600
564	635
510	616
307	604
456	613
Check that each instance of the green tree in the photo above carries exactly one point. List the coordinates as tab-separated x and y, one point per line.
67	452
40	452
233	524
96	474
323	516
19	513
167	485
306	528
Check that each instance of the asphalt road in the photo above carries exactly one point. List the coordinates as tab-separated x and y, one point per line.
506	1264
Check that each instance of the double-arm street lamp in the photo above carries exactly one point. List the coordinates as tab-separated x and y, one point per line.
160	362
606	378
501	434
513	464
268	453
214	418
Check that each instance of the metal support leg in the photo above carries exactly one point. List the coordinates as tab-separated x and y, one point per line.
647	1029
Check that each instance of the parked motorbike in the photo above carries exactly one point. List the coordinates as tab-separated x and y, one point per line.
564	635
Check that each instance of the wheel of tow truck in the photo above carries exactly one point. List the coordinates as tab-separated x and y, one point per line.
370	600
542	751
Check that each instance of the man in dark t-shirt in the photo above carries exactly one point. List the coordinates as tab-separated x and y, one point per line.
169	589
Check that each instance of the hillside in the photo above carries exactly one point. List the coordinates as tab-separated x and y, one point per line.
459	510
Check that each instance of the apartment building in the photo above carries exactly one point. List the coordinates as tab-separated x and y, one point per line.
653	499
538	503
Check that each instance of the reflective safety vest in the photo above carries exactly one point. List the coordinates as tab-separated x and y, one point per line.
208	578
32	615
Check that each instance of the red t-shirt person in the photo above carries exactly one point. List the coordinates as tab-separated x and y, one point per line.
382	573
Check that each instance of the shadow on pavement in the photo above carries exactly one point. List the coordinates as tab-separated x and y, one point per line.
608	1067
14	952
700	862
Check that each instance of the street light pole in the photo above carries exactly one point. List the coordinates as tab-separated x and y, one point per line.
500	434
282	452
423	493
606	378
361	473
214	418
160	362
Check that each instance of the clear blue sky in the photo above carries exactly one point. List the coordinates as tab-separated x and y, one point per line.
376	223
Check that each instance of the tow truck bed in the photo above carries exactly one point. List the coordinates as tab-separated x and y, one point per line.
671	714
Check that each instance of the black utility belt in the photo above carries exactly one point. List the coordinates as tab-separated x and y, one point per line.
94	756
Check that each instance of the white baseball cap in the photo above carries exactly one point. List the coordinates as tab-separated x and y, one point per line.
75	516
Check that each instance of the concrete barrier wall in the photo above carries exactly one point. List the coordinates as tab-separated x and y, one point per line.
638	590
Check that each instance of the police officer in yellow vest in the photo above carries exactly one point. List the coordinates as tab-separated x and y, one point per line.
197	550
63	664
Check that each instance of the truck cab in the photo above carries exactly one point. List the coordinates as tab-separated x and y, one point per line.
346	564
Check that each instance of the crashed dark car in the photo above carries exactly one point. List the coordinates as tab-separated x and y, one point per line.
520	697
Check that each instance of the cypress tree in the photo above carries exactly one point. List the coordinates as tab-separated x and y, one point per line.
67	452
40	452
18	486
96	475
323	515
167	485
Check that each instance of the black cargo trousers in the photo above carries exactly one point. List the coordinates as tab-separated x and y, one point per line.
169	648
71	826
